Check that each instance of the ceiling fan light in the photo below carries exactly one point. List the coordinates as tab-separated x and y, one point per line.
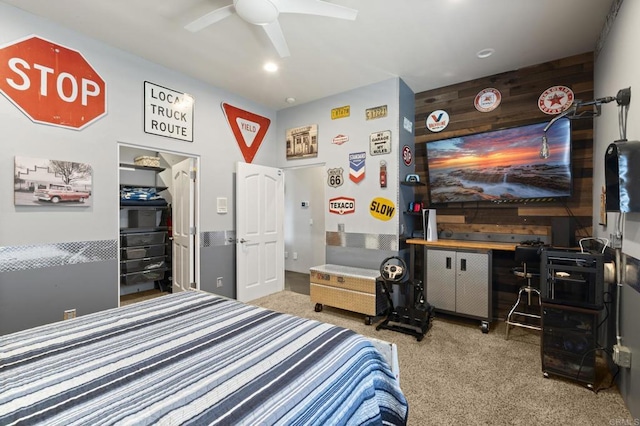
257	12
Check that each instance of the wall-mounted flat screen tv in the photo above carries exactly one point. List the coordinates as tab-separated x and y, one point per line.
501	165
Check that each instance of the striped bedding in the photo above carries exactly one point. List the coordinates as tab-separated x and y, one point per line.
194	358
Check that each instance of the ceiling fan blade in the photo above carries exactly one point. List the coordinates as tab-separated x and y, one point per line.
274	32
210	18
316	7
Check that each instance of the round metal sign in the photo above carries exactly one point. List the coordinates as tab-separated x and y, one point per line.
487	100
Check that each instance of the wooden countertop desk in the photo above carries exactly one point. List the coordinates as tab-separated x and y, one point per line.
464	244
454	244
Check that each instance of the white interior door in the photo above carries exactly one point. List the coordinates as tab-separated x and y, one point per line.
183	217
260	231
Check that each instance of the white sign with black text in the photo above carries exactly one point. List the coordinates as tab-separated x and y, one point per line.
380	142
167	112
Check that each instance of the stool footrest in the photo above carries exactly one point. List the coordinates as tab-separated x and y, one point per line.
528	290
524	314
519	324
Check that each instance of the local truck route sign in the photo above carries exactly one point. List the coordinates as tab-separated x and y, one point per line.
167	112
51	84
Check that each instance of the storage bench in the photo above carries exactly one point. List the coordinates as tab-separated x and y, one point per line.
349	288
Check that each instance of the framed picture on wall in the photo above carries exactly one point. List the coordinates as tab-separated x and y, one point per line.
302	142
42	182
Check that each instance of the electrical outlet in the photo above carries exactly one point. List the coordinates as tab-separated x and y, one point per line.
622	356
68	314
295	255
219	282
286	254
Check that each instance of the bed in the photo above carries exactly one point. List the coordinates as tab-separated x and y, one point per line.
195	358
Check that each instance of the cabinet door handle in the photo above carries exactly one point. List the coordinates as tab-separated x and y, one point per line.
463	264
448	263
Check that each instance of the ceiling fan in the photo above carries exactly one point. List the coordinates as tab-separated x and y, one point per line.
265	14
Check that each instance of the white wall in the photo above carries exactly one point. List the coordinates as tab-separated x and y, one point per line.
616	67
124	75
358	129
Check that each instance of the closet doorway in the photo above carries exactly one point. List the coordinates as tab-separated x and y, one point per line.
305	206
159	243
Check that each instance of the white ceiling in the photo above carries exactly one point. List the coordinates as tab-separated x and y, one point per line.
428	43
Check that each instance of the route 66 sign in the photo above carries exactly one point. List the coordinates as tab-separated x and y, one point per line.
335	178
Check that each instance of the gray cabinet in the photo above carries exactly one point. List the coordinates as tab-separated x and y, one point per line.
459	282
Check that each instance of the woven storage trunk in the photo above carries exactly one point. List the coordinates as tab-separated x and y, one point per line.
147	161
345	287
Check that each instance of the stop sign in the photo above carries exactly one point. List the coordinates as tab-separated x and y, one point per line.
51	84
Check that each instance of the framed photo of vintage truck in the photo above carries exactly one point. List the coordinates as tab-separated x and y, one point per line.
42	182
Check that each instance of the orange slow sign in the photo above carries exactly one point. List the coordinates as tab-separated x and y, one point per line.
382	209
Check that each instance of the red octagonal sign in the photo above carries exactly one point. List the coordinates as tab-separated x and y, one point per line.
51	84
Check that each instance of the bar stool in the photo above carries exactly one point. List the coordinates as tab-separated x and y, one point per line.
529	258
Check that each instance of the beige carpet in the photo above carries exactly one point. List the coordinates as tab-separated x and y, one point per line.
459	376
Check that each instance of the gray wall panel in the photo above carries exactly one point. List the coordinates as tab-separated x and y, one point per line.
218	261
32	297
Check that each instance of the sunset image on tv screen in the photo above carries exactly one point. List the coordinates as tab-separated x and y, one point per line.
501	165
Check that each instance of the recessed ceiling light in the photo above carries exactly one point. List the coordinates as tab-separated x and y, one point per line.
485	53
270	67
290	100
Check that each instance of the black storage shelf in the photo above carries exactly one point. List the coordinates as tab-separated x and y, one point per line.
143	276
127	207
568	344
143	264
404	182
139	252
143	230
145	255
574	367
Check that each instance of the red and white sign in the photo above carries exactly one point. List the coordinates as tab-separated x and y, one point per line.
248	128
342	205
555	100
407	155
51	83
340	139
438	120
487	100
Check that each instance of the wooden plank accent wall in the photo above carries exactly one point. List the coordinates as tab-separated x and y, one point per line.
520	90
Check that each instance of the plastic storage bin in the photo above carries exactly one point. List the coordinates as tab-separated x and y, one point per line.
143	239
142	277
143	219
129	253
143	264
